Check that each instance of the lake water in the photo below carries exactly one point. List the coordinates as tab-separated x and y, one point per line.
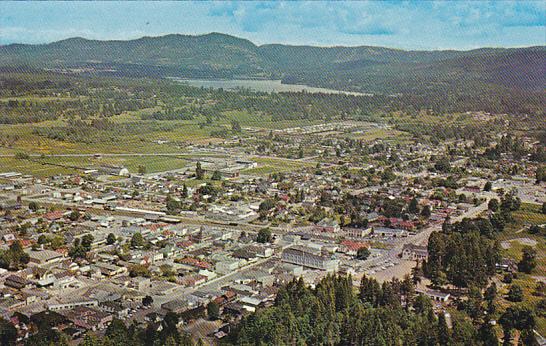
260	85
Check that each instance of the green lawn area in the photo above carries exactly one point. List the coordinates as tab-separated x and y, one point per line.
530	300
258	120
267	166
8	164
152	163
387	134
529	214
47	166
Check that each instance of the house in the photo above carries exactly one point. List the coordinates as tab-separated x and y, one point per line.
436	296
250	303
261	251
177	306
227	266
473	189
351	247
65	281
73	304
390	232
357	232
110	270
414	252
327	225
17	282
234	309
116	308
507	265
88	318
54	215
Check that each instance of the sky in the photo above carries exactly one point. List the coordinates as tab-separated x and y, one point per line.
398	24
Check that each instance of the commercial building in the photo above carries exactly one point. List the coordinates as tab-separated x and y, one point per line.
311	258
414	252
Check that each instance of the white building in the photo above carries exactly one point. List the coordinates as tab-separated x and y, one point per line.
310	258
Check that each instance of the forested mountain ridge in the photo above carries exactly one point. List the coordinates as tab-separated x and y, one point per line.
362	68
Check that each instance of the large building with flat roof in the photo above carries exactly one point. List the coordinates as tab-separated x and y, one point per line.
45	256
309	257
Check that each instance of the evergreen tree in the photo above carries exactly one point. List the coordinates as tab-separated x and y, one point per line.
199	172
443	331
111	239
137	240
213	311
413	206
8	333
515	294
528	260
487	335
117	332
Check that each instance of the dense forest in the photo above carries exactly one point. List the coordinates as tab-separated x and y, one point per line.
379	314
34	97
465	253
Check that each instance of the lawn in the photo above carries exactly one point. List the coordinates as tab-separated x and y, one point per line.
387	134
529	214
8	164
47	166
258	120
268	166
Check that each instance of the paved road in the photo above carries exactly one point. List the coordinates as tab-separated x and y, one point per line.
420	238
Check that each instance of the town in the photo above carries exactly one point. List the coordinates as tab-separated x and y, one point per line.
213	240
273	173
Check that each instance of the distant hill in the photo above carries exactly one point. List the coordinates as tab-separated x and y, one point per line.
363	68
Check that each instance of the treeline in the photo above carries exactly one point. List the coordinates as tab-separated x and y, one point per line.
479	132
45	332
99	130
514	146
167	115
445	96
465	253
462	258
26	111
334	314
71	97
106	96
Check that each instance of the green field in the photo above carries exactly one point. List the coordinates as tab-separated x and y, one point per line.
268	166
529	214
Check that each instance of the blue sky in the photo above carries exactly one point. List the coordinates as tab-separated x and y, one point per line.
401	24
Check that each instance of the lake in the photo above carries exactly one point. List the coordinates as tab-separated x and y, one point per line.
261	85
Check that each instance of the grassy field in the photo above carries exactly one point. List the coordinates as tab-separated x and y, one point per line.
386	134
145	137
529	214
258	120
48	166
27	167
268	166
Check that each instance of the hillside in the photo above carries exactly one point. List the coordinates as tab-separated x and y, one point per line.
363	68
